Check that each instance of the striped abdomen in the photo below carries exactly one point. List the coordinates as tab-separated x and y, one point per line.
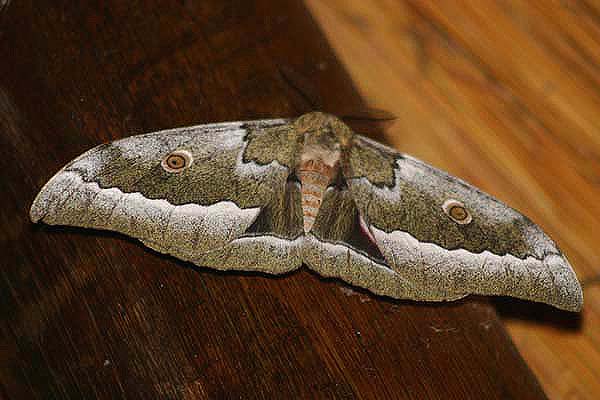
314	177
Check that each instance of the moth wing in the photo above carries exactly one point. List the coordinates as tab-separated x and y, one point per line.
401	202
207	213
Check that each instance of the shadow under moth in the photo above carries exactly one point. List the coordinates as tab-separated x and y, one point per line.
271	195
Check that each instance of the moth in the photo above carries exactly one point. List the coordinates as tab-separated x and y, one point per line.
272	195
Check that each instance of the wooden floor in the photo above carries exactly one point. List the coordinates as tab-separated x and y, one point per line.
505	94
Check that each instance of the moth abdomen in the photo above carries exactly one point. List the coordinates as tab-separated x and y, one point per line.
315	176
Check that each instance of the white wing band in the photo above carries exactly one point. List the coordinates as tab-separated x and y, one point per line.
442	273
186	230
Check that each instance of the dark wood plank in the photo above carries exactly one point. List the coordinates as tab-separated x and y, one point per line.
96	315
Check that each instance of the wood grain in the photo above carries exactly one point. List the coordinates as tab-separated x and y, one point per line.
88	314
504	94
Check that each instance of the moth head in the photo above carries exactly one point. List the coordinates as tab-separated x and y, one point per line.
177	161
457	212
326	129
